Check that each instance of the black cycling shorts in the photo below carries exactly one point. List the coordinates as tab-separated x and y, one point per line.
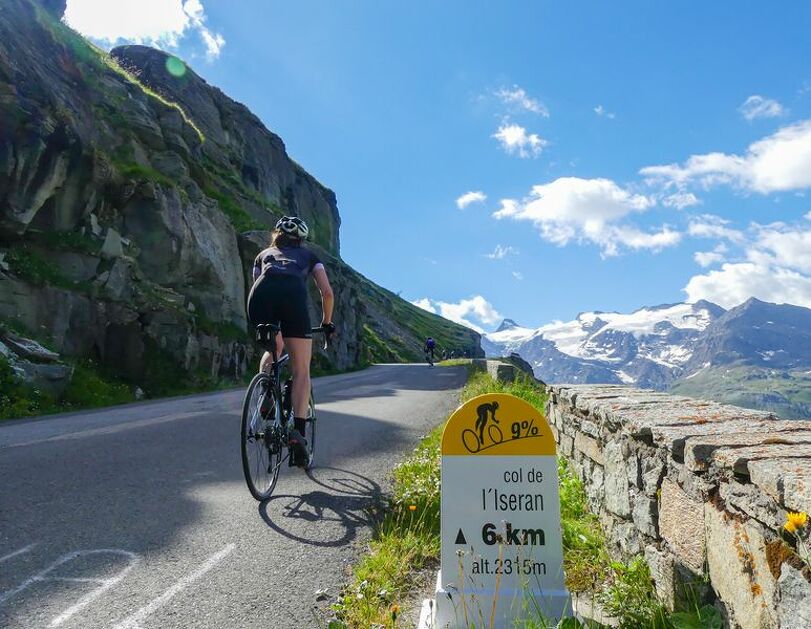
281	299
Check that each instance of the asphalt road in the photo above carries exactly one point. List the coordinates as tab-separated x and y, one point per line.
138	517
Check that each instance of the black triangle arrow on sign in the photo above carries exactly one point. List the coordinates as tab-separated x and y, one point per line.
460	538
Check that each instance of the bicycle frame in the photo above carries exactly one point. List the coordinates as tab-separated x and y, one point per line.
266	335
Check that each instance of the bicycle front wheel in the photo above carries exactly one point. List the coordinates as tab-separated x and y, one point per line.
261	445
310	430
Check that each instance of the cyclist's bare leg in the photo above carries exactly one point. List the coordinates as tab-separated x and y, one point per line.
267	357
301	351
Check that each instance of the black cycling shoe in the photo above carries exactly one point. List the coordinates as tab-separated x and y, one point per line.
298	448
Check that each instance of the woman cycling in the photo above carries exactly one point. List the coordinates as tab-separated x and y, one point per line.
279	295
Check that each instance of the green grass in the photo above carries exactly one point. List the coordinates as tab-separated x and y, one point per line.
91	388
376	350
29	264
145	173
240	219
454	362
785	392
66	241
19	399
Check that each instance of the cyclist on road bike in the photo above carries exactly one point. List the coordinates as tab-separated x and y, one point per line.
279	296
430	344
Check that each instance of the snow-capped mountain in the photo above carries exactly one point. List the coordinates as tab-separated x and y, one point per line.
648	347
756	355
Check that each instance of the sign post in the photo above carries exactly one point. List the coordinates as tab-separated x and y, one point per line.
502	554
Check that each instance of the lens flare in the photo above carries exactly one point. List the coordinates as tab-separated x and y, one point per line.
175	67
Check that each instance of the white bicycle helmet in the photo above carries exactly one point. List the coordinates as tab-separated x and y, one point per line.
293	226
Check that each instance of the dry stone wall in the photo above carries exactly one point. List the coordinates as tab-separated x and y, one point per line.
699	489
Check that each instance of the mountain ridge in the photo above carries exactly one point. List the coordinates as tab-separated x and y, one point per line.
756	354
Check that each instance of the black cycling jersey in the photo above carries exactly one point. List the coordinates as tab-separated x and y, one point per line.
296	261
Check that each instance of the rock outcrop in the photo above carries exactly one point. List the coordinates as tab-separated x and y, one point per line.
133	197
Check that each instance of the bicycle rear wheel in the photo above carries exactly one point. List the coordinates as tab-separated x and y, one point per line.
261	443
310	430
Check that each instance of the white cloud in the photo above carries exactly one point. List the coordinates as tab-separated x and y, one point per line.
788	246
471	313
425	304
501	252
735	283
775	266
779	162
570	208
603	113
709	258
516	96
759	107
711	226
470	197
515	140
518	275
159	23
680	200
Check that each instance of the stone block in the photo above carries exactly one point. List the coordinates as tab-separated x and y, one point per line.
698	451
750	500
633	468
627	538
590	447
663	573
681	524
501	371
793	599
555	433
566	444
594	481
112	247
644	513
737	459
788	481
739	570
653	471
617	493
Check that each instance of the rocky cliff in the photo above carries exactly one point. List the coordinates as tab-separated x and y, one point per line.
133	198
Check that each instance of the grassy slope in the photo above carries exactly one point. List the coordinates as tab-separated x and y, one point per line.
395	329
786	393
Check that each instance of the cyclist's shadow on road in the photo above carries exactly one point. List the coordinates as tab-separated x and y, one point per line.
346	498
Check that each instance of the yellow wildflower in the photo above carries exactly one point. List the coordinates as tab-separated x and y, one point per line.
395	611
412	507
795	521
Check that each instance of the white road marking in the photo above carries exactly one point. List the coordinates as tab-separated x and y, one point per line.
25	549
133	621
104	584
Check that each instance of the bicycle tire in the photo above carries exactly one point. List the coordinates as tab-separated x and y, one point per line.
310	433
261	448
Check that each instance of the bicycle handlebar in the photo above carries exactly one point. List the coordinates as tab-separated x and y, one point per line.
327	335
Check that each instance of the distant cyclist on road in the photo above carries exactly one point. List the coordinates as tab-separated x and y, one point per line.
279	296
430	344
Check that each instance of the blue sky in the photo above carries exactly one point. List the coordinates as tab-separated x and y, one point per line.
605	156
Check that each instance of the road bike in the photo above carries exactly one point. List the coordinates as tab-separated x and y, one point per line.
429	357
267	418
